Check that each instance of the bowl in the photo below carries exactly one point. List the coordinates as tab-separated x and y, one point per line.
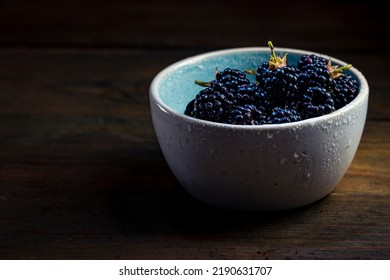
252	167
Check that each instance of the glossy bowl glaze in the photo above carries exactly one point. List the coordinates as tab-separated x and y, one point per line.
264	167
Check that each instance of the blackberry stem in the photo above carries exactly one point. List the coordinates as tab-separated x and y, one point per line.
273	55
275	61
202	84
251	72
345	67
337	71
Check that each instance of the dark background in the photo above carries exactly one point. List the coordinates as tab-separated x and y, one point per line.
81	172
315	25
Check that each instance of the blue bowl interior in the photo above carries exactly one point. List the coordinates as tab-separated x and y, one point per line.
177	88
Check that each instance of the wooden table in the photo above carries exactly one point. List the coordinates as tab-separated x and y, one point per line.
81	172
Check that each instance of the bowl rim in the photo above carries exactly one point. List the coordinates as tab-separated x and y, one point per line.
153	90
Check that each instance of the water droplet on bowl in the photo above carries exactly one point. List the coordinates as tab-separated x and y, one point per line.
348	144
269	135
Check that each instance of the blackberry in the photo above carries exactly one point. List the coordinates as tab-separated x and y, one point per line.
189	108
283	115
253	94
316	101
231	78
247	114
278	78
212	103
315	76
345	89
257	99
309	60
261	72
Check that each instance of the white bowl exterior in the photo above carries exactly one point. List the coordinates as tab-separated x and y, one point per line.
267	167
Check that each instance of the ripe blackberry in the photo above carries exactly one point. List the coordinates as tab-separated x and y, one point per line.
253	94
345	88
309	60
283	115
231	78
247	114
257	99
189	108
261	72
212	103
282	83
316	101
314	76
278	78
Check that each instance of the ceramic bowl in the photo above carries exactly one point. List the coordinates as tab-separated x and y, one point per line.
260	168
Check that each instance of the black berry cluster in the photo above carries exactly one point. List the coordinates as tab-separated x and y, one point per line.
282	93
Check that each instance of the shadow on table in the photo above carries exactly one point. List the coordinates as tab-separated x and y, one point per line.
189	214
175	211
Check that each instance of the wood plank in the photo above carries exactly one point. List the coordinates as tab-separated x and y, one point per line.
321	25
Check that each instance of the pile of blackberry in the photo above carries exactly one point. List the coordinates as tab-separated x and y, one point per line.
281	93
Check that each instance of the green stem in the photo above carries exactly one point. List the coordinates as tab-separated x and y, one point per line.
273	55
251	72
338	71
202	84
345	67
275	61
